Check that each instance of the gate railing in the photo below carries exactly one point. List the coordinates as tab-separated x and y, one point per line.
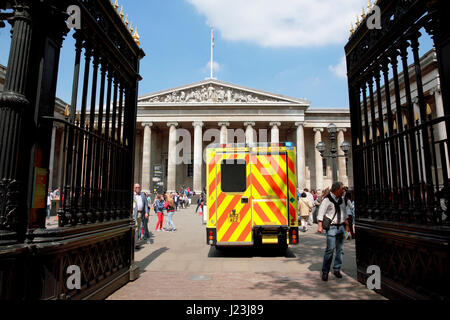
96	230
102	192
396	163
400	147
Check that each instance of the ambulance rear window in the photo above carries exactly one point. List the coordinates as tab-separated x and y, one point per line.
234	176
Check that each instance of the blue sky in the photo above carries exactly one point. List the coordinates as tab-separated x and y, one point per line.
290	47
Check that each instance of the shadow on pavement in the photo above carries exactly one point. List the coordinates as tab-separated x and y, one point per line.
314	287
242	252
311	250
143	264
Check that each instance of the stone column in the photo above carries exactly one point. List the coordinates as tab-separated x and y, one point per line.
172	163
301	157
146	159
224	132
249	132
198	156
442	132
318	157
60	160
52	158
275	132
343	176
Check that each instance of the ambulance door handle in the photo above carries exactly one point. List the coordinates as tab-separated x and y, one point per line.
244	200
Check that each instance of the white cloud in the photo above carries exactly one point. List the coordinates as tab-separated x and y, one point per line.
282	23
340	70
217	67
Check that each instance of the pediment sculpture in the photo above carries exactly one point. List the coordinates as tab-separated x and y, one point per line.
211	94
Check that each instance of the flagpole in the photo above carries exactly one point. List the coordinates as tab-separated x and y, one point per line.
212	52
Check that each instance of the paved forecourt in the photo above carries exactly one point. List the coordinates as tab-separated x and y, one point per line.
180	266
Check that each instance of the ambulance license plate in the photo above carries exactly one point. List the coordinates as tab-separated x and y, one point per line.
235	217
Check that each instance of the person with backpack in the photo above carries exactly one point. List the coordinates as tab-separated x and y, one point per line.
159	208
333	219
169	205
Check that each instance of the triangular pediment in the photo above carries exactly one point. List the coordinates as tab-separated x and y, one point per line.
217	92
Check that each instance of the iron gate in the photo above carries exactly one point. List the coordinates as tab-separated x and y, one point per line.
400	145
96	228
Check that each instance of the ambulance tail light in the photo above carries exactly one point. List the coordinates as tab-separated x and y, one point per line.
293	236
211	236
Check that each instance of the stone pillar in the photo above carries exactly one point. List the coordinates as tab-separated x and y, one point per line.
301	156
318	157
172	163
60	160
147	157
343	176
442	132
198	156
52	158
249	132
275	132
224	132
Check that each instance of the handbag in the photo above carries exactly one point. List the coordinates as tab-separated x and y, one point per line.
326	223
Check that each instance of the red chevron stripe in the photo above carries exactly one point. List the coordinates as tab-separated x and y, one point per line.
244	234
291	165
212	187
271	182
261	213
292	212
292	189
258	187
280	171
280	216
213	163
230	208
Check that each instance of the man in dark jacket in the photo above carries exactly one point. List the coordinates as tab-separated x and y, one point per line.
141	213
200	203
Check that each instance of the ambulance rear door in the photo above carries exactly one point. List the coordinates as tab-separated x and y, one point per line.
234	198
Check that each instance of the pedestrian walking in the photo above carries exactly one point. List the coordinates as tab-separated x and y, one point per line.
443	197
200	203
310	198
49	205
317	202
176	199
350	212
333	219
170	207
304	207
159	207
141	212
149	202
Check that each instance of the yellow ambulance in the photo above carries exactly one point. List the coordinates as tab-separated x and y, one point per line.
252	195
